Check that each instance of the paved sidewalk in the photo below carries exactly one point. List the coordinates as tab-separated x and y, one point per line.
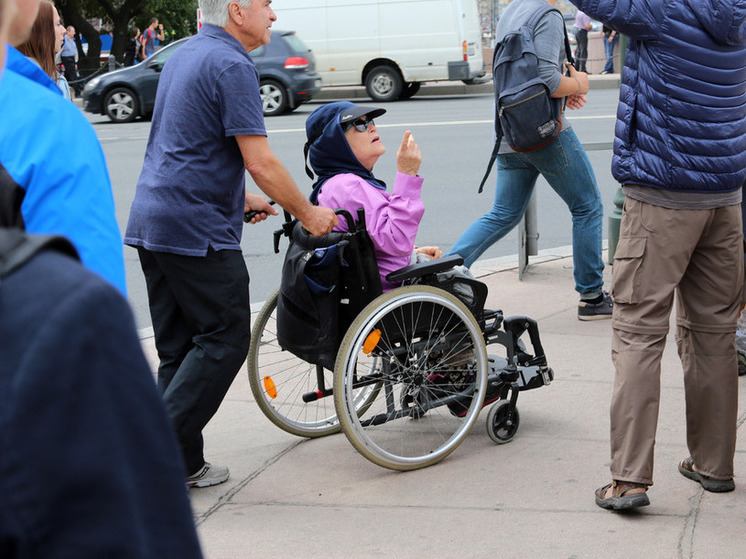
532	498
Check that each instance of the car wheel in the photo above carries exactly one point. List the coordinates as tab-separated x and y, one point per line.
408	91
121	105
274	97
383	83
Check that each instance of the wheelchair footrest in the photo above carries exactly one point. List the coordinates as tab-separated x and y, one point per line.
534	377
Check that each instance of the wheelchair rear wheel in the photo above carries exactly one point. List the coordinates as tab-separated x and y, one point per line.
279	380
426	351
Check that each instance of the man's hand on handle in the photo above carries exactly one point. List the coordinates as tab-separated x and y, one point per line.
319	220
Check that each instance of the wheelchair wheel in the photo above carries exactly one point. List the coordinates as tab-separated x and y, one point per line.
502	422
425	350
279	380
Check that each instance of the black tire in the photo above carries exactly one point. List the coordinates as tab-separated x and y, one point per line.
274	97
419	347
502	422
384	83
121	105
410	90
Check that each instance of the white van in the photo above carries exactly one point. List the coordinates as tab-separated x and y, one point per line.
390	46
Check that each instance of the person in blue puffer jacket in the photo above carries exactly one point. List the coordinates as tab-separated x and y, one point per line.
680	154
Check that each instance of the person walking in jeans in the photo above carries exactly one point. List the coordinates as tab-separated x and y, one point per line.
563	163
582	26
610	39
678	153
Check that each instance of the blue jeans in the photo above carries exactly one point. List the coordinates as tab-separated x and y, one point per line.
565	165
609	52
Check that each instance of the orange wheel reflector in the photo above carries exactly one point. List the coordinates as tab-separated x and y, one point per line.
371	341
270	388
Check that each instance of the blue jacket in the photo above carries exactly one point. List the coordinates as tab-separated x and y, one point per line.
681	120
49	148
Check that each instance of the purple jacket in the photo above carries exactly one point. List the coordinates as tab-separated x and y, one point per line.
391	219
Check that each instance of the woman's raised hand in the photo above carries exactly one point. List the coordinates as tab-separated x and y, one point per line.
408	158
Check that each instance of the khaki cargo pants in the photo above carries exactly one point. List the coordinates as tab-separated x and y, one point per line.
698	256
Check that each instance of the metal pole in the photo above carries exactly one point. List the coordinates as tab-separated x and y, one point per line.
528	236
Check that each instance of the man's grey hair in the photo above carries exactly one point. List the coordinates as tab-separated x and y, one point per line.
216	11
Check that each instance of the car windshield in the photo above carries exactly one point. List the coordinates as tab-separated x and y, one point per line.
162	55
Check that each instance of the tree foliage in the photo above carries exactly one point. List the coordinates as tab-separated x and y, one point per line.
179	19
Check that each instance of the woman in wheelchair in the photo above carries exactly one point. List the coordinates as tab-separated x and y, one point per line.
342	148
408	369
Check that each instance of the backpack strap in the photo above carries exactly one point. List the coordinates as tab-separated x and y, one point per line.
17	247
11	198
493	158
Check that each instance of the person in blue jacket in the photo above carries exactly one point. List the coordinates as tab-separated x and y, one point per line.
89	465
680	155
50	149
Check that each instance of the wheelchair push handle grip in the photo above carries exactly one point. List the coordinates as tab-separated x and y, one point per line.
248	216
348	218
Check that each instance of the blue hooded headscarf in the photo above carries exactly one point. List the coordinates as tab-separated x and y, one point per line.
327	149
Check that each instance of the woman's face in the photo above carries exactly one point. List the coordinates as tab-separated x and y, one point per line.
59	30
367	146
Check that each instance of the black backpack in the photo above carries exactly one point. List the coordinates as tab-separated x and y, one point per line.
326	282
526	115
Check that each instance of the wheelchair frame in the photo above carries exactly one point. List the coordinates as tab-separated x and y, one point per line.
411	374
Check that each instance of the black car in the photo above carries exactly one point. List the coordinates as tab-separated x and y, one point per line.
287	74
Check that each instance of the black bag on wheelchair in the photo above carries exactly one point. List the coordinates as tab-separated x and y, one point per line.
326	282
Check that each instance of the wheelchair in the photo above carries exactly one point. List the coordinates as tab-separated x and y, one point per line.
404	374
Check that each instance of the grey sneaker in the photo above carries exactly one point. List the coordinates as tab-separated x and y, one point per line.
208	475
596	311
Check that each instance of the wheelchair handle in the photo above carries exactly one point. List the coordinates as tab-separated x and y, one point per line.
248	216
348	218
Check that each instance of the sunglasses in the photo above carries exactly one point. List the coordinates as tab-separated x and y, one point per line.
360	124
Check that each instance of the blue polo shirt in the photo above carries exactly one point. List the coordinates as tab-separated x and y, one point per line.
52	152
190	195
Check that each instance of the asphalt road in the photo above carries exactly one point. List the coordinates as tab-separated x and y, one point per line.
455	136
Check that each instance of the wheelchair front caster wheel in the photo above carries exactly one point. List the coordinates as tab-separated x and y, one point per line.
502	422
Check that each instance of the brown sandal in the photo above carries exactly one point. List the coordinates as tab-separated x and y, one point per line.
687	469
624	495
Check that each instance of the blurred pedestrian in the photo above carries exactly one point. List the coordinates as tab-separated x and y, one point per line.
51	151
187	216
152	32
582	26
681	237
610	39
69	59
563	163
44	42
132	50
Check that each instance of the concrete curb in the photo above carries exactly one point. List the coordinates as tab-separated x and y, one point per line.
609	81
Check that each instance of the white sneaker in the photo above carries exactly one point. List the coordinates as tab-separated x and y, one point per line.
208	475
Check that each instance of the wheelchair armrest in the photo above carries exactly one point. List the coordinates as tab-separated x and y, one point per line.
425	268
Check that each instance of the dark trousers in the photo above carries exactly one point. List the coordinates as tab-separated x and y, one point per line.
201	319
581	55
71	74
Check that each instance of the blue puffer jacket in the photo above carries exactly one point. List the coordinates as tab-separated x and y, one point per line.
681	120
